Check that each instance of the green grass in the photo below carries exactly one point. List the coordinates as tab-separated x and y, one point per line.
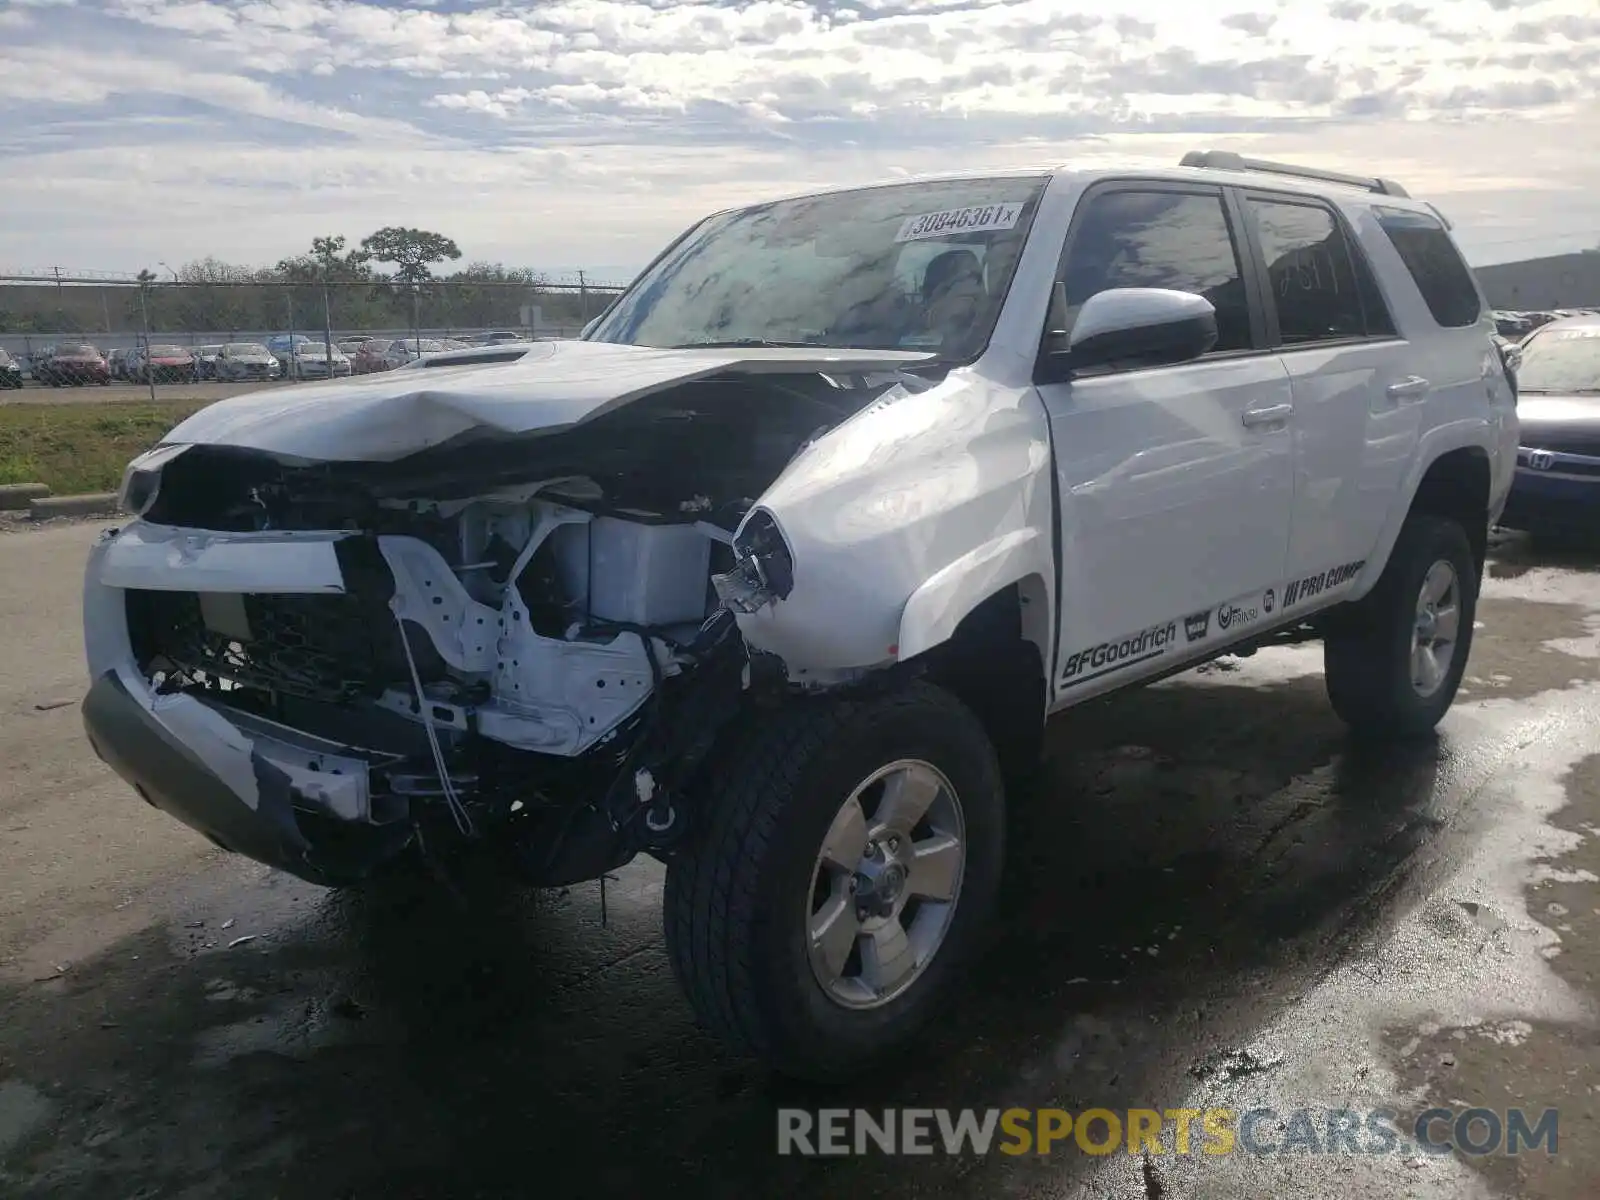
74	448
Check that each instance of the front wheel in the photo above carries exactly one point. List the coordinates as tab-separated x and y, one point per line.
1393	666
848	857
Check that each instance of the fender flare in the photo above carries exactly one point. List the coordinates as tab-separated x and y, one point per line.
1473	434
944	599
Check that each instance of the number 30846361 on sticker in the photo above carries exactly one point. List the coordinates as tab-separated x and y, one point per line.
978	218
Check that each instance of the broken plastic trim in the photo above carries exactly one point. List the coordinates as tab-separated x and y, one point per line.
764	571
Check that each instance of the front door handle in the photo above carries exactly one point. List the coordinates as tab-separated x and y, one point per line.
1273	414
1410	389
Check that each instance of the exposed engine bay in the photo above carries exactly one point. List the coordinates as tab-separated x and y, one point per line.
530	633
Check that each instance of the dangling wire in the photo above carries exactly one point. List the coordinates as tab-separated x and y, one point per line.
458	809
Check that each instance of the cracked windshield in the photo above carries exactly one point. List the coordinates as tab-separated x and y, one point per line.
912	267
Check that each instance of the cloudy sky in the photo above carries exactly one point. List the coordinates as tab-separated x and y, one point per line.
584	133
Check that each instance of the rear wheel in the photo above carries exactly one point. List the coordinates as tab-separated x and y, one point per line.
1394	663
850	856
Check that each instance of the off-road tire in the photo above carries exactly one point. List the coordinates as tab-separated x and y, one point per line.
1367	652
734	911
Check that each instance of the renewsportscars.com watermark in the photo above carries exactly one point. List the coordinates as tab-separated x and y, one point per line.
1181	1131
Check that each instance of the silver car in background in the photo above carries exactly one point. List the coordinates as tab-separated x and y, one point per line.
238	362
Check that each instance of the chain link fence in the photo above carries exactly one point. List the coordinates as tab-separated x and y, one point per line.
53	326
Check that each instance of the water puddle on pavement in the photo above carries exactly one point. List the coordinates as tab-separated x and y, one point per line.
1468	977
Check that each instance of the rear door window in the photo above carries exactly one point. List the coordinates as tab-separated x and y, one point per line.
1435	264
1321	290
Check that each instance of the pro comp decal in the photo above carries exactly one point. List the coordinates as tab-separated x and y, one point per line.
1298	591
1110	657
978	218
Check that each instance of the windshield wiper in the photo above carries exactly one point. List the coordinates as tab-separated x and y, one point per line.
734	342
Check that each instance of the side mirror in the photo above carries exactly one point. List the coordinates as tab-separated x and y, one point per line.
1145	327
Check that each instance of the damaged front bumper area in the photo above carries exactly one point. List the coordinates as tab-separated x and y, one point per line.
526	642
322	700
205	751
239	782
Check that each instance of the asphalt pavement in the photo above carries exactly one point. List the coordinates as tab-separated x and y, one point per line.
1215	900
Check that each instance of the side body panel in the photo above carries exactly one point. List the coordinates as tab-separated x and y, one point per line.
1468	403
1170	508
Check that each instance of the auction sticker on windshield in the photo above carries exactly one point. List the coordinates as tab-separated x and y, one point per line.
978	218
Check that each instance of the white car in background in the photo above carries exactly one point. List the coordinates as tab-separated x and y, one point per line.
311	360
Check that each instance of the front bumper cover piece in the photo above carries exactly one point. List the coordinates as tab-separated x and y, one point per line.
130	739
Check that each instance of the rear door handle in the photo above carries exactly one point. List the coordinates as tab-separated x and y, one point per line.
1410	389
1273	414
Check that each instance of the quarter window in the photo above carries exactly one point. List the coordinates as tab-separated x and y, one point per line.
1160	239
1311	275
1435	264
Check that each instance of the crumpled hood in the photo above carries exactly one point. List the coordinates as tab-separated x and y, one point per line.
556	385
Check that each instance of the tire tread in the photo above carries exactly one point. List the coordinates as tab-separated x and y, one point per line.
712	901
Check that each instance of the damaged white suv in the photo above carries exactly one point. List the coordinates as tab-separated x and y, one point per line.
777	573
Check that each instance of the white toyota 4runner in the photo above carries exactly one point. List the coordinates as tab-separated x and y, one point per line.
777	573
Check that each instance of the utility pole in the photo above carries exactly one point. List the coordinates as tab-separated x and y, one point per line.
293	369
327	324
144	320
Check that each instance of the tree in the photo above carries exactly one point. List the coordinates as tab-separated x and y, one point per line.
410	250
327	261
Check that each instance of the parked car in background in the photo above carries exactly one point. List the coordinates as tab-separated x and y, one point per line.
1556	491
369	357
167	364
1512	325
281	347
75	364
205	362
310	360
403	351
36	362
10	371
240	361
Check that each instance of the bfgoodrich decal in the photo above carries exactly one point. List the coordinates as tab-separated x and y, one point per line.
1298	591
1110	657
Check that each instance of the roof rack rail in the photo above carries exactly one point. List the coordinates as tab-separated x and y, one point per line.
1227	160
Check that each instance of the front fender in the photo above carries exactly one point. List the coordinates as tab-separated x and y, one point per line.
940	604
